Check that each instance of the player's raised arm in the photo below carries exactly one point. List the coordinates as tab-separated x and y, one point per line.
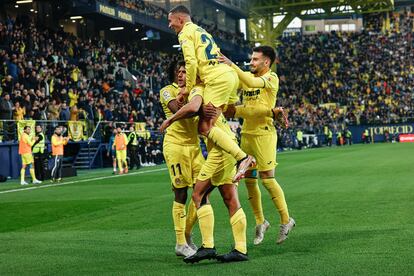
249	79
187	45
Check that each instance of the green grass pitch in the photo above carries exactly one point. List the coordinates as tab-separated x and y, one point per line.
354	208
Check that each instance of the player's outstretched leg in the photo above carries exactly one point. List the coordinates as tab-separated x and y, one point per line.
179	217
278	198
238	225
205	217
255	200
189	224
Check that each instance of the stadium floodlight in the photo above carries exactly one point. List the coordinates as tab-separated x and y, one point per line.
76	17
176	46
24	1
136	29
144	38
116	28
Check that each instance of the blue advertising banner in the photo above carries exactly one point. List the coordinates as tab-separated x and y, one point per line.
378	132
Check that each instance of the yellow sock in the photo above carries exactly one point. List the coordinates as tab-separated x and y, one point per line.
32	173
178	213
252	113
255	199
206	222
278	198
238	226
191	218
224	141
120	165
22	173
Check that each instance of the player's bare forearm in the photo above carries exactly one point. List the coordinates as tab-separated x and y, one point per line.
173	106
187	111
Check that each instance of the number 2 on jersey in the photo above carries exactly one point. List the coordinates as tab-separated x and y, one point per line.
205	38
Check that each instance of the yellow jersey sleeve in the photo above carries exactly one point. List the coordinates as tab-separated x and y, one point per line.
187	43
167	94
271	81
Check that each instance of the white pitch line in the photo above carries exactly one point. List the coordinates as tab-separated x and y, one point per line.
78	181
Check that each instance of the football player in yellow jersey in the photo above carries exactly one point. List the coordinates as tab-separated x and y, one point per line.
217	171
182	153
220	81
259	138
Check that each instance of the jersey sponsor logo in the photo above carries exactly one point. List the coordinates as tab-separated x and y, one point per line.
251	93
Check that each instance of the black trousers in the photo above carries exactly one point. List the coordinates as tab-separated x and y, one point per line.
40	166
57	167
133	157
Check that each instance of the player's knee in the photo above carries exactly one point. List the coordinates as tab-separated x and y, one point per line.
180	195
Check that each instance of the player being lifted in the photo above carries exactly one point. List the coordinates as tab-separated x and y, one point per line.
217	171
259	137
183	156
200	54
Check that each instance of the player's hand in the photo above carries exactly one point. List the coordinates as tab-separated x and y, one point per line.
223	59
230	111
280	117
165	125
36	139
209	111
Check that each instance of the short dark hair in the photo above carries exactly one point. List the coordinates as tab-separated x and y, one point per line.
26	127
267	51
180	9
172	70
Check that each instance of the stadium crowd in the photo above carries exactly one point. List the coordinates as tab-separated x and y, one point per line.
326	80
56	76
340	78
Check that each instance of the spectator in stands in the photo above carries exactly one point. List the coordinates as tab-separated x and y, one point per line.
6	107
64	112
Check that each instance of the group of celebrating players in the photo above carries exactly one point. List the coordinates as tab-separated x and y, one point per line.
202	96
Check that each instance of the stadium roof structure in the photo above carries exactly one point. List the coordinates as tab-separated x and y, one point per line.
261	26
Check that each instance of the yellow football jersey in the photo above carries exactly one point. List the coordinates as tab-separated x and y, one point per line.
183	132
200	55
264	97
